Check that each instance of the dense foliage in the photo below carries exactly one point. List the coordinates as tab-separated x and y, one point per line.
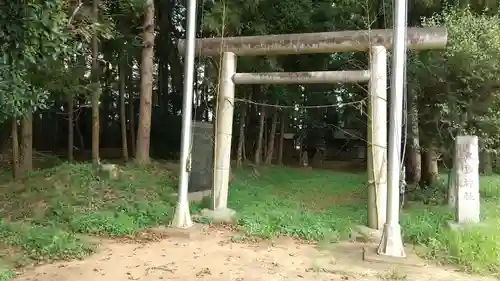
49	48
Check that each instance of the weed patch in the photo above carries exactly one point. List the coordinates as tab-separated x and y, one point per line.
45	212
284	201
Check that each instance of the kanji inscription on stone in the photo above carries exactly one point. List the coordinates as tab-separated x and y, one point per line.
467	179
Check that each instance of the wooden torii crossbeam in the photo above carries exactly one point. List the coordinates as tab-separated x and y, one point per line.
313	43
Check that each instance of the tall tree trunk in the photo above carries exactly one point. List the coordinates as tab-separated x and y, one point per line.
96	87
131	116
80	135
430	172
272	137
71	132
241	139
377	15
16	173
123	116
131	111
247	121
264	139
27	142
282	137
105	102
413	170
144	129
244	153
162	50
485	162
260	137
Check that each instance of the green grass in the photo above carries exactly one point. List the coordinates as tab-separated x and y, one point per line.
6	274
299	204
475	249
45	214
323	205
48	214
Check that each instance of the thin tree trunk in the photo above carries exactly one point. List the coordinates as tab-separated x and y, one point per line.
123	116
80	135
131	109
97	88
247	121
264	139
260	137
244	153
413	152
144	129
27	142
131	116
272	137
71	133
485	162
15	151
241	139
282	138
430	170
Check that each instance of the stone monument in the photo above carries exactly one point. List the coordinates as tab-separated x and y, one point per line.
466	180
200	178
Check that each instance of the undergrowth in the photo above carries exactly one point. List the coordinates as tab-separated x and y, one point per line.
47	214
323	205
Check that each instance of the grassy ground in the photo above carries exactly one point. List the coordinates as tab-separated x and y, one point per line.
323	205
50	213
45	214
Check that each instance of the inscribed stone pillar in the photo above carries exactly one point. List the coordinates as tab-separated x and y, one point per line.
467	179
201	157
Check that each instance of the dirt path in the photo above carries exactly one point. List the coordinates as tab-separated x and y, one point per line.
210	255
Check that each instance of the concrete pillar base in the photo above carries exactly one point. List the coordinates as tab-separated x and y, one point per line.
217	216
391	243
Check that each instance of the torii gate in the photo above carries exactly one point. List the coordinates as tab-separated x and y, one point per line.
374	41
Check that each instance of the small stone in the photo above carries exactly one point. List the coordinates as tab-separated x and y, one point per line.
366	234
227	216
111	170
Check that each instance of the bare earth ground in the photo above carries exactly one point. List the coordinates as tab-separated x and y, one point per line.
209	255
